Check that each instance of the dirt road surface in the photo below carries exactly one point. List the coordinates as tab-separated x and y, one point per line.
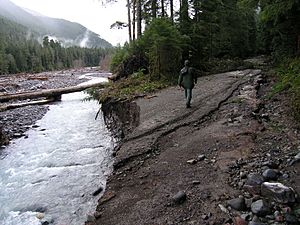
182	166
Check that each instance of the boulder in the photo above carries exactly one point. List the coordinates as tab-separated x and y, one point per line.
270	174
260	208
278	192
237	204
253	183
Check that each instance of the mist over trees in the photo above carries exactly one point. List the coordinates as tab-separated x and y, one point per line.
21	52
204	30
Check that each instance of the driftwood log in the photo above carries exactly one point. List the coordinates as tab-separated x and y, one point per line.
49	93
23	104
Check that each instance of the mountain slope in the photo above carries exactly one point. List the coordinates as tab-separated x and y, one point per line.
68	33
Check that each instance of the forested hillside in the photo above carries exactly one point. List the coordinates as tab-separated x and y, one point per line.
21	52
66	32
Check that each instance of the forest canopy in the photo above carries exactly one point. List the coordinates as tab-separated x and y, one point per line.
203	30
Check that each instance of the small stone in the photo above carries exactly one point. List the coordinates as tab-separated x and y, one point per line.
248	202
237	203
40	215
204	217
243	175
17	135
35	126
97	214
297	157
278	192
200	157
279	218
291	219
180	197
223	208
271	164
256	223
239	221
253	182
192	161
246	216
98	191
297	212
285	176
286	210
47	220
90	218
196	182
270	174
260	208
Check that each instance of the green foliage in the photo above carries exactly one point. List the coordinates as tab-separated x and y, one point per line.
161	48
279	26
135	86
289	80
120	55
163	44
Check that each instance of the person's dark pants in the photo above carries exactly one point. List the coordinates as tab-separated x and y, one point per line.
188	97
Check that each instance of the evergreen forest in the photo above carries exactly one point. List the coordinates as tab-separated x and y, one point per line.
205	32
20	51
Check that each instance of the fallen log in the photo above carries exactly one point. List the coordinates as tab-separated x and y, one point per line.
23	104
49	93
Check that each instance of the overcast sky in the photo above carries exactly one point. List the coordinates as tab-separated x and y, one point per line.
90	13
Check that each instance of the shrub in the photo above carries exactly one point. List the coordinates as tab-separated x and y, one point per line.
289	79
158	51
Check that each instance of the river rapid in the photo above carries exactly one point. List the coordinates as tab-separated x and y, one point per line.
52	173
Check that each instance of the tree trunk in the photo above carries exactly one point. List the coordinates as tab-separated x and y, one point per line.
55	93
154	8
23	104
129	20
162	8
298	50
133	19
172	10
139	18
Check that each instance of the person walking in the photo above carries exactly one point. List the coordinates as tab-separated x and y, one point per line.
187	80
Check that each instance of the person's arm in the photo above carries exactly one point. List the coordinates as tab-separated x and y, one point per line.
195	75
180	80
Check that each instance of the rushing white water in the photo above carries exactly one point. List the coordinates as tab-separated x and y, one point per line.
58	167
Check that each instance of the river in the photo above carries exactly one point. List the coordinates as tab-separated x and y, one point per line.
57	167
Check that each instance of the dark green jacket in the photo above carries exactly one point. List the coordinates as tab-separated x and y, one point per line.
187	78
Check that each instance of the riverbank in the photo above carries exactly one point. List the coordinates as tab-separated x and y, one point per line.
15	122
209	164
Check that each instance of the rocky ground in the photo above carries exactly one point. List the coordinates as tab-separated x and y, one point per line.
14	122
233	158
